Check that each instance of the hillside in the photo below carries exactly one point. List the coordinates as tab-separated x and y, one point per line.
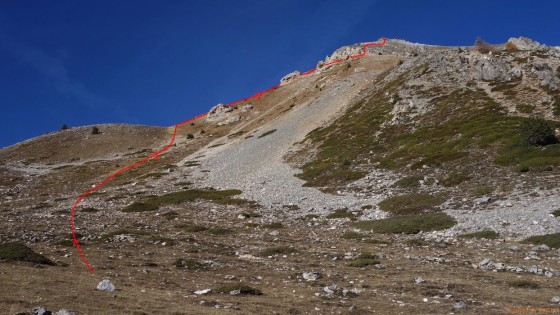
392	183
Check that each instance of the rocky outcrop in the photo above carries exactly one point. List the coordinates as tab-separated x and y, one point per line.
289	77
524	43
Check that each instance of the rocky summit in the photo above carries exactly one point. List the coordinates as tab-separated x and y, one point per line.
416	179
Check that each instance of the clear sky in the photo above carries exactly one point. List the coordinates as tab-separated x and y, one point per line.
162	62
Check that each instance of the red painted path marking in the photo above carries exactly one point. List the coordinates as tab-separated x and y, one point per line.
155	155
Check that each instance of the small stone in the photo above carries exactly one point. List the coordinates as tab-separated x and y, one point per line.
229	277
64	312
106	285
235	292
514	248
311	276
555	299
425	299
419	280
460	305
41	310
274	233
202	292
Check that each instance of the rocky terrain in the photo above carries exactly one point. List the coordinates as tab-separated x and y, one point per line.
416	179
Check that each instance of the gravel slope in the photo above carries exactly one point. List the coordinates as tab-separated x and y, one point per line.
256	165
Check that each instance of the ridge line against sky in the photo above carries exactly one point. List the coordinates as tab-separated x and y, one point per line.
80	63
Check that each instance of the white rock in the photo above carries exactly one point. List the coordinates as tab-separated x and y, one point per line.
106	285
203	291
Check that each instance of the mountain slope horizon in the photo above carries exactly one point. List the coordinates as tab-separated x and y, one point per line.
412	160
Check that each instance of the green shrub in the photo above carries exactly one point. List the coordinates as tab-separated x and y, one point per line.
525	284
487	234
64	127
410	224
140	207
556	213
551	240
95	130
365	259
521	168
408	182
238	288
410	203
537	132
17	251
190	136
277	250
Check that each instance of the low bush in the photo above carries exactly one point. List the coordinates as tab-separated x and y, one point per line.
95	130
525	284
408	182
538	132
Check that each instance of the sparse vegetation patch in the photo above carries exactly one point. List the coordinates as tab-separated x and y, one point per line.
410	203
551	240
410	224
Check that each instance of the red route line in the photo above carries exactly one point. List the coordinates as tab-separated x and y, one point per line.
156	154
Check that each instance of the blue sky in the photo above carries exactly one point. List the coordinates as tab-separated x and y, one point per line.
161	62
